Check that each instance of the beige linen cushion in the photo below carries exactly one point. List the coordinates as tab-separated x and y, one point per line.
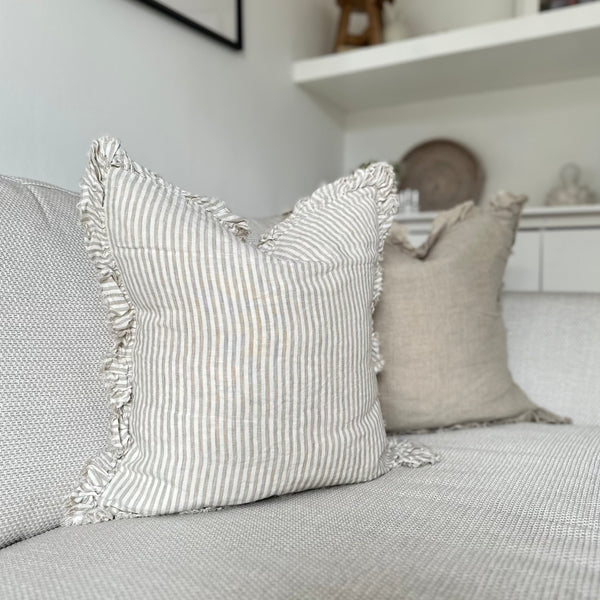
239	371
440	322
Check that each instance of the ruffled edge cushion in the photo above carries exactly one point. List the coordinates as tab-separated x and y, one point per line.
504	205
83	505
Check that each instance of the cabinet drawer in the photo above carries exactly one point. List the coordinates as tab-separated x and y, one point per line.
572	260
523	269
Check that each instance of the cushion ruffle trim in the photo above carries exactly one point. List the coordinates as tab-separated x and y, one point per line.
533	415
401	452
504	206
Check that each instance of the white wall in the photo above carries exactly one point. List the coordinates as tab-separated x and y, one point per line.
432	16
522	136
209	119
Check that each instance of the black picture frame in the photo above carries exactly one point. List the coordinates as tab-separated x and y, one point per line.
236	44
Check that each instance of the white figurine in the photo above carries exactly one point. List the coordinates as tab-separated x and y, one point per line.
570	191
394	26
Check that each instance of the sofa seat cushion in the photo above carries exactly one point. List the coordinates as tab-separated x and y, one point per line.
511	512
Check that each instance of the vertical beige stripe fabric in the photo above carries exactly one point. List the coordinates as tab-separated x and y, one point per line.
239	371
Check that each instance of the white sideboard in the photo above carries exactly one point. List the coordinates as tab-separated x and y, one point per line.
556	249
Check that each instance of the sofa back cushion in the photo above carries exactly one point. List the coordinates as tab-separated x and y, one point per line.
53	335
554	351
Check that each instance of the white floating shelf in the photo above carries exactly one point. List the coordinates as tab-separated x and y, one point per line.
550	46
551	217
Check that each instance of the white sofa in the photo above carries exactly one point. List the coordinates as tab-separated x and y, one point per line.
510	511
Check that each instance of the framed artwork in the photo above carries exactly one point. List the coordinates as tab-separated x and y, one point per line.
220	20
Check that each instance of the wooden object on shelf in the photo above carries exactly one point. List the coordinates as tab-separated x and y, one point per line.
372	35
444	172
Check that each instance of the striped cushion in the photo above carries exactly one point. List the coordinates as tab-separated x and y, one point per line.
239	371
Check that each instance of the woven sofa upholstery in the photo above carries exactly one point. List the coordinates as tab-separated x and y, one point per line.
554	351
53	339
510	512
